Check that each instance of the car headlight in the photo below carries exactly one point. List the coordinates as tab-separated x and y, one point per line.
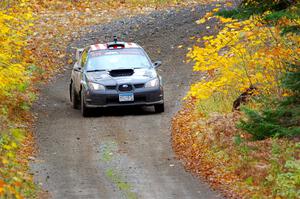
97	87
152	83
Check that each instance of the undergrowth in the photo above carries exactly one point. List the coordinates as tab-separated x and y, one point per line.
252	150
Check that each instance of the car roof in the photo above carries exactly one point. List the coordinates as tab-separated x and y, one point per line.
114	45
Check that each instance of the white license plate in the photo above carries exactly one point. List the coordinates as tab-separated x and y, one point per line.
126	97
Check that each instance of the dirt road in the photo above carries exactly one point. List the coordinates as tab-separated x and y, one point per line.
123	152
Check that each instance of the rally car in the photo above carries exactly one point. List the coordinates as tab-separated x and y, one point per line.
115	74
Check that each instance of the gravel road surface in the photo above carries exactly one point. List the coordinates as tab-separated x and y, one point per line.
121	152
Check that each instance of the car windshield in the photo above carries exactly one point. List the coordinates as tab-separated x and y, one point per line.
117	59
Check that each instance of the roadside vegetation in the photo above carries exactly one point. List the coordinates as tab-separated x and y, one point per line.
239	127
16	96
34	37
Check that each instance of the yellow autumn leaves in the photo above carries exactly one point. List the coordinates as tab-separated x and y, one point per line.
15	23
242	54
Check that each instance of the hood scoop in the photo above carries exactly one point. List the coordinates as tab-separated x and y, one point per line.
121	72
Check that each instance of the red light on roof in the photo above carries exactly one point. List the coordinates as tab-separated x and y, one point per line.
110	46
116	46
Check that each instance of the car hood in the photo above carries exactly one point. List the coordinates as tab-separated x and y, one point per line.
135	76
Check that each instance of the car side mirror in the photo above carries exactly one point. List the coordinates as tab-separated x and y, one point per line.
77	69
78	53
157	64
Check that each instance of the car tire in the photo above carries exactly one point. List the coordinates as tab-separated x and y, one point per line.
74	98
84	109
159	108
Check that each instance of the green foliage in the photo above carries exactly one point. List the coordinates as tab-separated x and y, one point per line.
281	120
270	123
238	13
292	14
267	5
292	80
290	29
287	183
284	173
275	16
125	187
278	9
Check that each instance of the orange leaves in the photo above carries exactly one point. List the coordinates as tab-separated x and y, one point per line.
195	142
209	147
2	184
15	182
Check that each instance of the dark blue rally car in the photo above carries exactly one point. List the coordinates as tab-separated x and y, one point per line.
115	74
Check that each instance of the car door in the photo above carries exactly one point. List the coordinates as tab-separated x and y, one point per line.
78	70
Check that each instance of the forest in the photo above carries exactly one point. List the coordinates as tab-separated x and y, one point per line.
238	127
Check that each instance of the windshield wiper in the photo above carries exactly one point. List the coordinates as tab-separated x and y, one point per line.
96	70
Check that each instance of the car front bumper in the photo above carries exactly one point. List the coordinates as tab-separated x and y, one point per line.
110	98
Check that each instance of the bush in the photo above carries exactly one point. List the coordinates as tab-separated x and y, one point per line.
248	8
283	118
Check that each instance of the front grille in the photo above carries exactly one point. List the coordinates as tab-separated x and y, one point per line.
139	85
111	87
121	72
125	87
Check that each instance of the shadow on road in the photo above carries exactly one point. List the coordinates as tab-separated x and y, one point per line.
122	111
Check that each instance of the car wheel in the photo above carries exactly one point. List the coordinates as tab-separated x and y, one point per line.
159	108
84	109
74	98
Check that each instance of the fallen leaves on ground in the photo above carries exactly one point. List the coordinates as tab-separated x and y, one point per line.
208	148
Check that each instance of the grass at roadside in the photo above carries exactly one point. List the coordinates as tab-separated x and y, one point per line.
108	152
123	186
